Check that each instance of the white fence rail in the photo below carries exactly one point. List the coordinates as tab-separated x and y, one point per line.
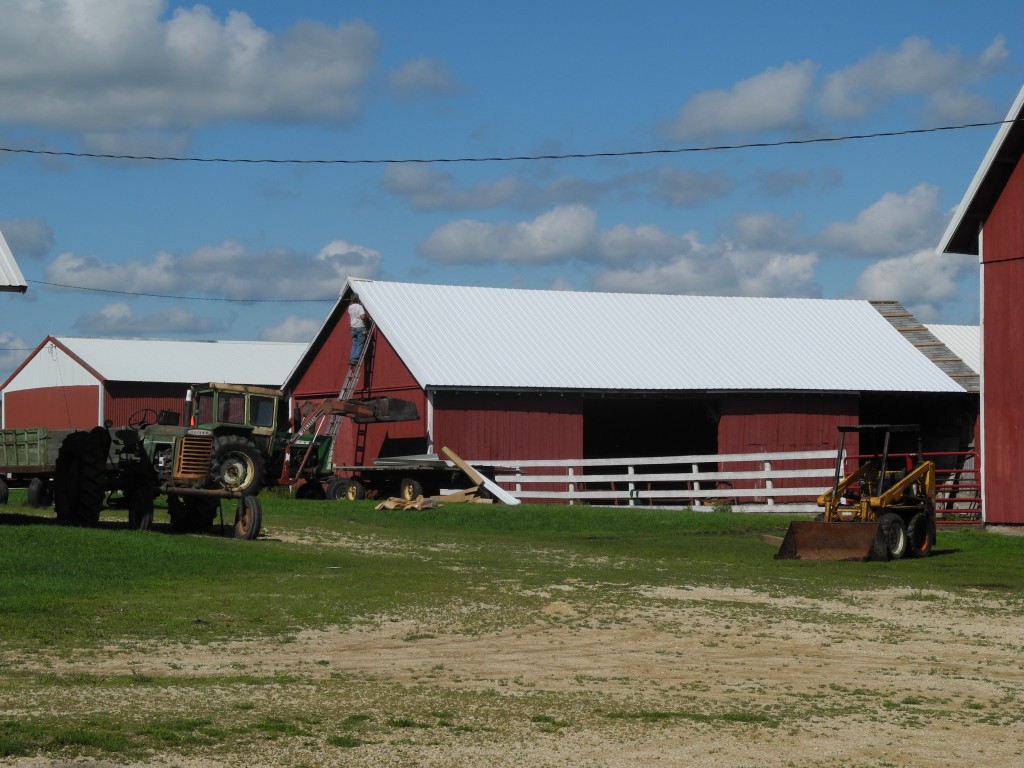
762	482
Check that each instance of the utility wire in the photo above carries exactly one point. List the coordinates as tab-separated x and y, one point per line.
503	158
178	298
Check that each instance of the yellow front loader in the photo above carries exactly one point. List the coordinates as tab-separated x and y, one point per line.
884	510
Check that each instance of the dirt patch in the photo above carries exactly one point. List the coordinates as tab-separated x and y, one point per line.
689	676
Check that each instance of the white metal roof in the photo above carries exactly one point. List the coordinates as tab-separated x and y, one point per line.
455	336
964	341
11	278
186	362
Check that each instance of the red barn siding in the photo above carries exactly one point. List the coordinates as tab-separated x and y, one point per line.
775	423
504	426
383	374
53	407
1003	353
123	400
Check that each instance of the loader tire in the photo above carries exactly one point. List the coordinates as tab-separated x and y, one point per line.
39	494
895	533
921	535
80	476
237	465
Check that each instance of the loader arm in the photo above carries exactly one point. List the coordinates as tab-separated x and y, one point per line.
924	473
830	499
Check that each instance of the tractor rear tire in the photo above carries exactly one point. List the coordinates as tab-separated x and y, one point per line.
895	532
80	476
39	494
238	465
921	535
249	518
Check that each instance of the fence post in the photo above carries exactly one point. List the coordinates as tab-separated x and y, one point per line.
768	484
571	484
632	486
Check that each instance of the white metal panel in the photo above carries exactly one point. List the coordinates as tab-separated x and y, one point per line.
51	366
456	336
187	362
11	278
964	341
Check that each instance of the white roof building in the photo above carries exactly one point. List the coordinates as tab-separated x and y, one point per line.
472	337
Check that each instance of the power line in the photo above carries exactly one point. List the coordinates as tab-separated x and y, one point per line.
178	298
501	158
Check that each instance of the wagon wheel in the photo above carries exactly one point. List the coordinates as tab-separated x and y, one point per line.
355	490
336	488
410	489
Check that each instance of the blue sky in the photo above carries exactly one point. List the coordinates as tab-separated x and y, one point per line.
259	251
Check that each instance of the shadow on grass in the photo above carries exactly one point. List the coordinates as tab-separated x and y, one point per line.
218	529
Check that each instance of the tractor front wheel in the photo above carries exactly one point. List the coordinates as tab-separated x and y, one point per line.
238	465
249	518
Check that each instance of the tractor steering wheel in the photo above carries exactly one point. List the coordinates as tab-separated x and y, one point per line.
140	419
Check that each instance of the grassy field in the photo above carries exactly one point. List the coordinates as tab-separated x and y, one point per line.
72	599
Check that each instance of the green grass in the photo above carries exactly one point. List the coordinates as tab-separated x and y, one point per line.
64	587
77	594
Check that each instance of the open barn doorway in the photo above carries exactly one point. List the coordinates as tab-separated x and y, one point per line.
615	427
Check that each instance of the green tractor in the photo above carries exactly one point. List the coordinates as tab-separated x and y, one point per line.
237	442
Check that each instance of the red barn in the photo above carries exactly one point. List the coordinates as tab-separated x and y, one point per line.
76	383
505	374
989	223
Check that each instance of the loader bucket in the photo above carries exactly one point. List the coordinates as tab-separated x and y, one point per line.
833	541
388	409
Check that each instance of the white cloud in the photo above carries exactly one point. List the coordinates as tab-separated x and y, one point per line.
558	235
771	100
893	224
921	281
916	67
13	351
724	268
27	238
428	189
225	270
119	319
682	188
117	66
292	328
422	76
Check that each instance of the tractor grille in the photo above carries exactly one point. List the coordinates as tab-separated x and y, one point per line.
193	458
